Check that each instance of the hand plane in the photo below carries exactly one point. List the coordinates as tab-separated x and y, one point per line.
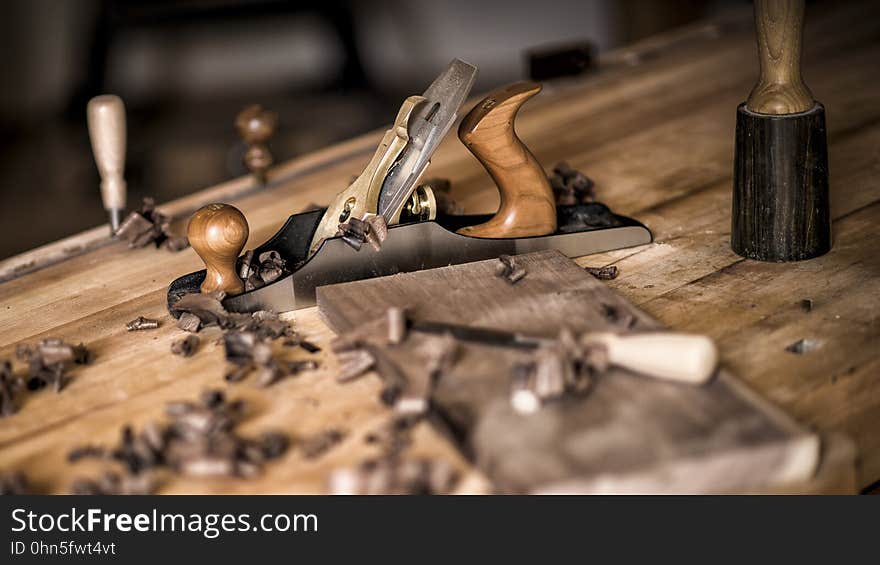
316	251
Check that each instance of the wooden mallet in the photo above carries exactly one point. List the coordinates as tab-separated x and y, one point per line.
781	208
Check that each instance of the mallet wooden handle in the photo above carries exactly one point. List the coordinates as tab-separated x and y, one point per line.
218	232
527	204
106	119
684	358
780	89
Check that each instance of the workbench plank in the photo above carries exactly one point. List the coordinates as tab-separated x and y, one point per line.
629	434
628	127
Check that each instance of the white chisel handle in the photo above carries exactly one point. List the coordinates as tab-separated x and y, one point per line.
685	358
106	118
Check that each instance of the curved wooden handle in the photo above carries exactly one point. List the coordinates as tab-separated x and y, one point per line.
527	204
780	89
685	358
106	118
218	232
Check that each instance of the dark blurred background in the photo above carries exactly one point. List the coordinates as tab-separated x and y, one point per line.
184	68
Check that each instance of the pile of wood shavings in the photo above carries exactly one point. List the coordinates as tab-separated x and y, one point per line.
571	186
147	225
267	268
49	361
566	366
392	472
247	339
199	439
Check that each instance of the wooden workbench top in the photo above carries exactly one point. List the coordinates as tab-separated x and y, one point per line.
653	127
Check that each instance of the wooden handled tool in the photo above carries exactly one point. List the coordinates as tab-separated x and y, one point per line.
106	119
218	232
781	204
256	126
780	89
527	204
684	358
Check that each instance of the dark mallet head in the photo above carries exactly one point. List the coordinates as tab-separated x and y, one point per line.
781	206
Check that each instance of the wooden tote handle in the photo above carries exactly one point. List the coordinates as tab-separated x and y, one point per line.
780	89
527	204
218	232
685	358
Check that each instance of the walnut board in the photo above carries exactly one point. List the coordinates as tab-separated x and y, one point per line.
653	126
629	434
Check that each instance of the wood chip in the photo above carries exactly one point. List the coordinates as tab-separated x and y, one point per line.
551	373
14	483
10	386
49	360
802	346
147	225
206	307
85	452
141	323
509	270
259	271
185	347
189	322
302	343
245	264
394	436
396	318
570	186
623	320
321	443
353	364
604	273
377	232
238	373
239	347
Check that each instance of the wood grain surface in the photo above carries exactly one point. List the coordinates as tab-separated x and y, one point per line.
658	152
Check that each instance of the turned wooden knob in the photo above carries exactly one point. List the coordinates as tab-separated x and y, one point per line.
106	119
218	233
527	204
256	126
780	89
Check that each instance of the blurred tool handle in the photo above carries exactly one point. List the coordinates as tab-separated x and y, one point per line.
106	118
256	126
780	88
218	232
527	204
684	358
